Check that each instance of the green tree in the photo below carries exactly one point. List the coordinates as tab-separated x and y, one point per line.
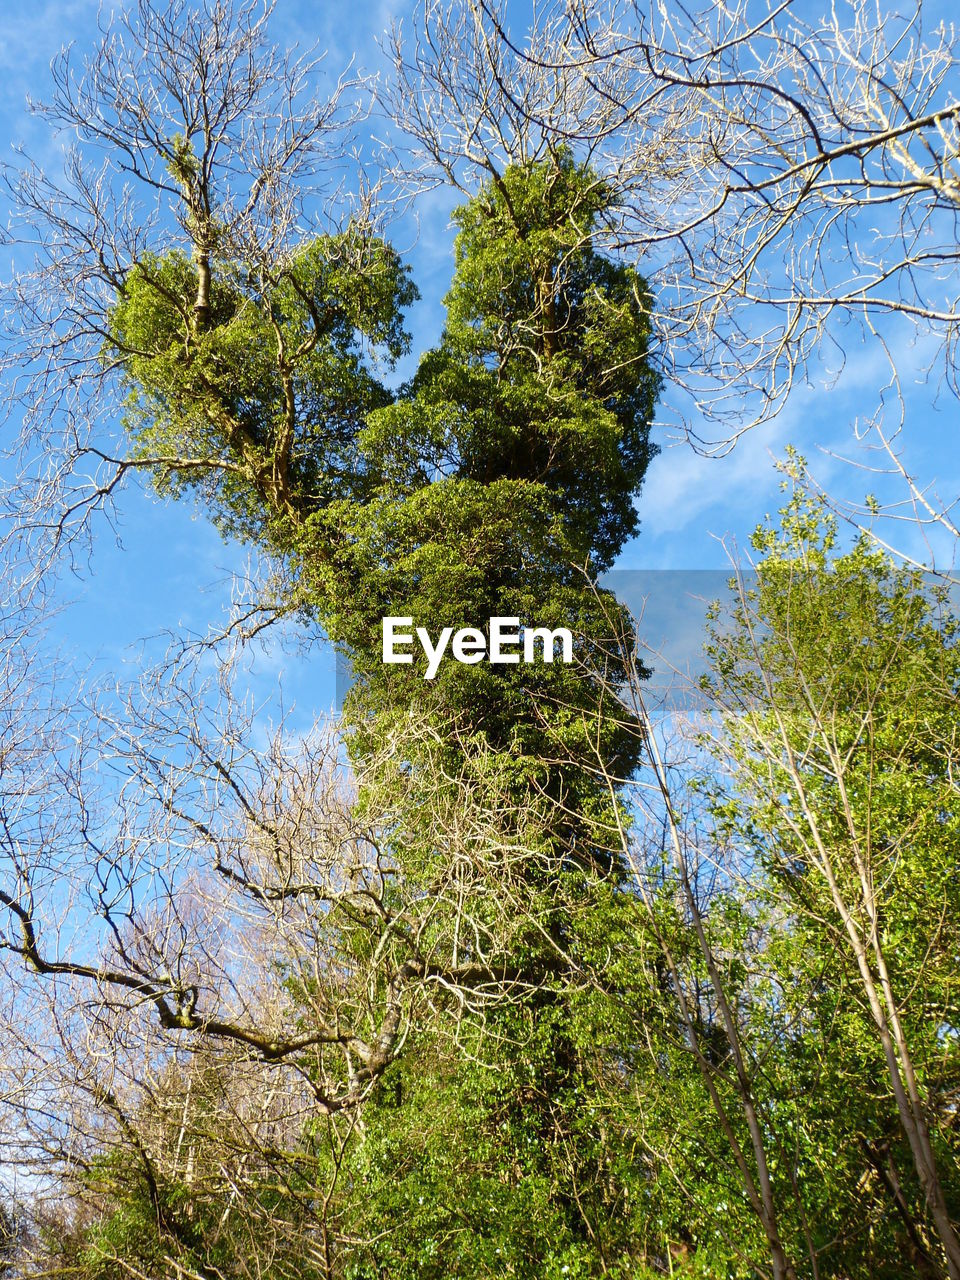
836	678
499	482
792	850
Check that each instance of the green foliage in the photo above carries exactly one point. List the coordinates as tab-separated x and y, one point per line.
543	373
584	1125
836	679
258	410
492	484
9	1233
855	664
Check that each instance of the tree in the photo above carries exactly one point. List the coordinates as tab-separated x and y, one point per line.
804	914
254	956
483	983
787	125
485	488
838	679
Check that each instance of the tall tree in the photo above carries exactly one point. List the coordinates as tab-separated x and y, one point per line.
490	487
496	484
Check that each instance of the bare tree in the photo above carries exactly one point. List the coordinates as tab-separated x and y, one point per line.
211	954
795	163
788	176
210	863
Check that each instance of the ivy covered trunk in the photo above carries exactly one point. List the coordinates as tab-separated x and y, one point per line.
498	483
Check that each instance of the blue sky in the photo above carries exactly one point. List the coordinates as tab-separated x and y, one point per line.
171	574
